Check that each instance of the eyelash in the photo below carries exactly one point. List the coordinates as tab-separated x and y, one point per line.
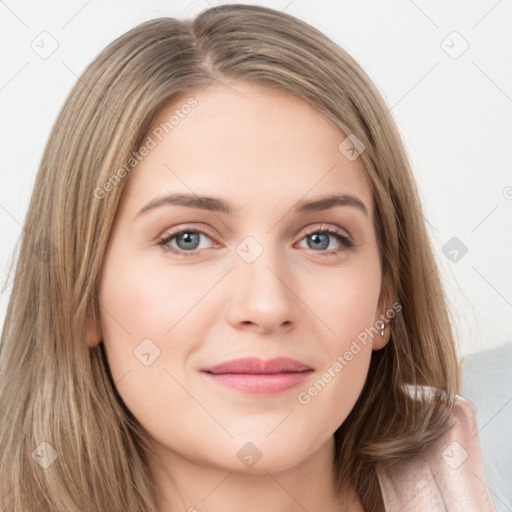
164	241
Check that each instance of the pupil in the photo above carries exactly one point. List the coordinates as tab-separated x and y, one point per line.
320	241
191	240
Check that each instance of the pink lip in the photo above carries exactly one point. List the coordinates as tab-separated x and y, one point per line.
253	375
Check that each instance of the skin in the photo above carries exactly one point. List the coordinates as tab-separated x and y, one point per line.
262	151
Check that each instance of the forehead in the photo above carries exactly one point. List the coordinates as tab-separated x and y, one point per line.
246	142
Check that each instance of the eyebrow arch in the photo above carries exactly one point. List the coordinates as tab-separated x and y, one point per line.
324	203
213	204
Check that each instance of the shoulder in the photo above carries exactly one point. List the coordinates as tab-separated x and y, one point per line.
449	477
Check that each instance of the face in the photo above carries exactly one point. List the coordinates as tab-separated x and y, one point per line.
222	249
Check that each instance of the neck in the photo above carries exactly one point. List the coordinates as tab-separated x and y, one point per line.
190	486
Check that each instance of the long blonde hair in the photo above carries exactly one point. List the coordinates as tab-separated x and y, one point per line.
57	397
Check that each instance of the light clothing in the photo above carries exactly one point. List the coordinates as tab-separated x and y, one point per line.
449	478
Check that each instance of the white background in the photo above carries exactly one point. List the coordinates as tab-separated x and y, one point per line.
455	115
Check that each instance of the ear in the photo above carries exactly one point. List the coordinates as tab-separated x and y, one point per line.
384	314
93	332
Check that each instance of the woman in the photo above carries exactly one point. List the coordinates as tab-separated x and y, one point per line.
226	295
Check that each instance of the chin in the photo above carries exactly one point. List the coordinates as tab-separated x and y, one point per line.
265	465
262	456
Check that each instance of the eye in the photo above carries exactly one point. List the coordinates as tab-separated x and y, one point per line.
185	242
323	238
190	241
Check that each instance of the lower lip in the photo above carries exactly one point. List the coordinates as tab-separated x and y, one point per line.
264	384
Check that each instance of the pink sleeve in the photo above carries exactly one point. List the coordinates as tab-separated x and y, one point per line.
449	478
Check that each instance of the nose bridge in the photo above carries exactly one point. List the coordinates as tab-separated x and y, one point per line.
263	289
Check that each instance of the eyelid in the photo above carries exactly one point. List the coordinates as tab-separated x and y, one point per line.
344	238
326	227
186	227
308	230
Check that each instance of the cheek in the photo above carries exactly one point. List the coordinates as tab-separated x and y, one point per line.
152	318
347	303
137	308
141	299
144	321
329	398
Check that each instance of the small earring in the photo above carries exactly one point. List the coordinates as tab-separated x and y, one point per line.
382	327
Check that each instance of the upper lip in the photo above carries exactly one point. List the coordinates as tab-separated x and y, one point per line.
258	366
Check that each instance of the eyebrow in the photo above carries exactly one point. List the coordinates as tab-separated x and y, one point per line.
214	204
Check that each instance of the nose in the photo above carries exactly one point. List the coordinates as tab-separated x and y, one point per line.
264	295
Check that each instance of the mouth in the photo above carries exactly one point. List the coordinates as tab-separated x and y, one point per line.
253	375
